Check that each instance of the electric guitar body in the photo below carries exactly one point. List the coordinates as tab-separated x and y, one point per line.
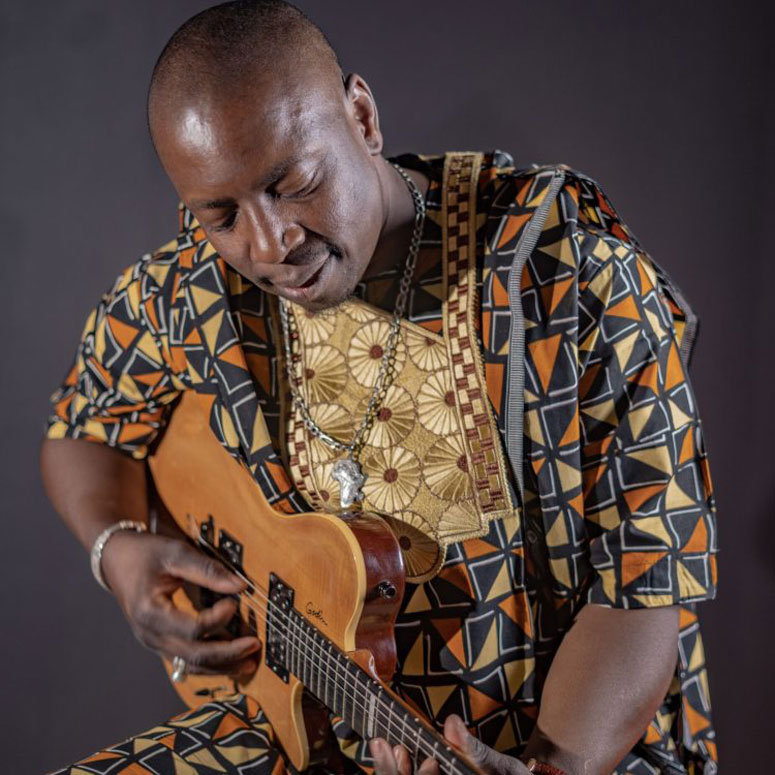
344	575
323	597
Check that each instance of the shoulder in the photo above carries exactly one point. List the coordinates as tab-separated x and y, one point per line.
561	211
156	280
505	185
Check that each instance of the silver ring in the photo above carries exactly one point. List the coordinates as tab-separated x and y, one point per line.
179	668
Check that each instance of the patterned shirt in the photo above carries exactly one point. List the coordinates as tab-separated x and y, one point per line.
617	507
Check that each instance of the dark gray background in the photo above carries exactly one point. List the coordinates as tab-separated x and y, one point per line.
669	105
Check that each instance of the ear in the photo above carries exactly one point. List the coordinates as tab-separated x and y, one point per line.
363	112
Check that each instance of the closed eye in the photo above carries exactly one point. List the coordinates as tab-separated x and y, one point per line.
306	191
310	188
228	223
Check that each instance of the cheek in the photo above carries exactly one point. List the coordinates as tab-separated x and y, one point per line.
231	252
359	210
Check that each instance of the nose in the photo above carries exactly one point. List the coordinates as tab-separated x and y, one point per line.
271	235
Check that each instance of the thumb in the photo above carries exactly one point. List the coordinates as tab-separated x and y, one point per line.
457	733
185	562
485	758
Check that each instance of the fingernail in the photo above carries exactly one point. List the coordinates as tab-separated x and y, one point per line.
248	666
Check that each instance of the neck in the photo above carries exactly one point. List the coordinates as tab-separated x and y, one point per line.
363	702
398	224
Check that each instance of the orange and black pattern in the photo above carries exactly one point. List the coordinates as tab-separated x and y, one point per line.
618	507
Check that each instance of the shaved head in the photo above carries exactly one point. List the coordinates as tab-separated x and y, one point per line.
276	155
224	52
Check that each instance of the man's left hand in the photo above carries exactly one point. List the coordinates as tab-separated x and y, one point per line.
396	761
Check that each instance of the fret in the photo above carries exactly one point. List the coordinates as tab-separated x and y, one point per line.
323	654
315	682
345	692
327	656
371	716
353	699
324	670
317	667
360	700
297	652
383	718
305	666
302	652
335	658
292	648
394	718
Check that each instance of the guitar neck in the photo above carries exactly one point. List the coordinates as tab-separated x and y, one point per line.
350	692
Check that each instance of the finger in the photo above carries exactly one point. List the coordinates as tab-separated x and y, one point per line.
216	618
487	759
428	767
245	669
183	561
162	619
216	657
403	761
384	760
456	732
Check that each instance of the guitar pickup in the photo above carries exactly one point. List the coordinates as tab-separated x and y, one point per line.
277	616
230	550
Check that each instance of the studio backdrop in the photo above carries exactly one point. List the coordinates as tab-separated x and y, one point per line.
669	106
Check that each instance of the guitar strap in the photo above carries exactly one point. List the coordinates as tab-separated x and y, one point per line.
461	331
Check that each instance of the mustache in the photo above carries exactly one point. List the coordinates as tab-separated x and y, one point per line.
309	254
291	270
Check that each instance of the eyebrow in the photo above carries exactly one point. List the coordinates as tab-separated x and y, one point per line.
272	176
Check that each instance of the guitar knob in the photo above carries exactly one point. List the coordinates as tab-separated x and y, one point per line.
386	590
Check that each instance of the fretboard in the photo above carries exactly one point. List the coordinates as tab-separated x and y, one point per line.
350	692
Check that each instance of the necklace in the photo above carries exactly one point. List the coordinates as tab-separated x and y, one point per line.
348	471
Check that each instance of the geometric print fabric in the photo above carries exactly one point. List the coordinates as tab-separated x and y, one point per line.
618	506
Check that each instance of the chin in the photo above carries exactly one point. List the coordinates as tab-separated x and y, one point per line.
332	297
325	302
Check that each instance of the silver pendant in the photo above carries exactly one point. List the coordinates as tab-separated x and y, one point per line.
351	478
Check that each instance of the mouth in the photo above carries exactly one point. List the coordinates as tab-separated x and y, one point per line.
306	286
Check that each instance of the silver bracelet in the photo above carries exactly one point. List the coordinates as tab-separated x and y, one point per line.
102	539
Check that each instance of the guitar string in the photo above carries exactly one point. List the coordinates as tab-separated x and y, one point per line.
388	718
380	705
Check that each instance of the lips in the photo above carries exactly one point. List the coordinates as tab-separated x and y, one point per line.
312	280
300	277
303	288
308	278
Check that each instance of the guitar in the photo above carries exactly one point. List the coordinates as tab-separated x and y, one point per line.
324	591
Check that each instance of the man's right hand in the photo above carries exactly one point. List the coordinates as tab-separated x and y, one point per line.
144	570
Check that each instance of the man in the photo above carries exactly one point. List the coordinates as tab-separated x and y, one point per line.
502	368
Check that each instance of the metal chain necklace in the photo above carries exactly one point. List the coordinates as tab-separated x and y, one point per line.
348	472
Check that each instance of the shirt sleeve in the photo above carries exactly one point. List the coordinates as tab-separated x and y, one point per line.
124	377
619	486
648	499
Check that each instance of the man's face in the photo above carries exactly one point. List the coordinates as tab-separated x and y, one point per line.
284	182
